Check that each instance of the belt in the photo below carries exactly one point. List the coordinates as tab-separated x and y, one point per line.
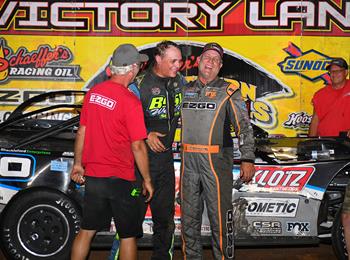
199	148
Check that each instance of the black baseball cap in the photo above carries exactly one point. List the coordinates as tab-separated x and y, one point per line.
339	62
127	54
215	47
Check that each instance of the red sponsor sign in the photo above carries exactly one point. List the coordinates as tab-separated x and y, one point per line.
282	178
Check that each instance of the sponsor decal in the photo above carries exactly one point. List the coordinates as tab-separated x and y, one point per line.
59	166
43	63
155	91
298	120
210	94
199	105
191	94
298	228
158	106
277	178
229	233
102	101
310	65
16	166
271	207
267	227
18	96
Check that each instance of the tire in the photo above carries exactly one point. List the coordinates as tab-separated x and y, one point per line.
39	224
338	238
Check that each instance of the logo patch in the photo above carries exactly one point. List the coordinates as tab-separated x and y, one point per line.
199	105
290	179
298	228
299	120
271	207
155	91
210	94
310	65
43	63
102	101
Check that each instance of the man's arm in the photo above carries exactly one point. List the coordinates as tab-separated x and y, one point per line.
77	173
141	158
313	125
244	131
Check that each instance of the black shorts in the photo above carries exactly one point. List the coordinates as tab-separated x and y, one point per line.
112	197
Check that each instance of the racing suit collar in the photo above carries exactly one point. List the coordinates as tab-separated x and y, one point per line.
211	84
158	78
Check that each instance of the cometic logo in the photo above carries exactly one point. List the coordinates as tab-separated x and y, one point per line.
102	101
310	65
271	207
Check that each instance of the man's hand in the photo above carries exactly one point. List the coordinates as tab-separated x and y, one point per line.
247	171
348	134
154	142
77	174
147	188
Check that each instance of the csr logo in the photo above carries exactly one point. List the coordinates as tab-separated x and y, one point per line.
298	226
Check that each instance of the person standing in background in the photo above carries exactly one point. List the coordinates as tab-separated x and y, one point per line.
332	103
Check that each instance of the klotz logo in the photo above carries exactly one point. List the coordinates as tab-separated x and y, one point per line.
44	63
310	65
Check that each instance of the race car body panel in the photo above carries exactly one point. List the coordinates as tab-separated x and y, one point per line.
294	198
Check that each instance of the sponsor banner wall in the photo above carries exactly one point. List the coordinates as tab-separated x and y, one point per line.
277	50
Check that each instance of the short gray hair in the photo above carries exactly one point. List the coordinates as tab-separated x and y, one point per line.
121	70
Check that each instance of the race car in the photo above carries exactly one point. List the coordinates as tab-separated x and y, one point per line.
294	198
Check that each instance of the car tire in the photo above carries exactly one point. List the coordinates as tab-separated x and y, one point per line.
39	224
338	238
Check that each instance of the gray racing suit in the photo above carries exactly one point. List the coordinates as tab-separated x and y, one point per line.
207	157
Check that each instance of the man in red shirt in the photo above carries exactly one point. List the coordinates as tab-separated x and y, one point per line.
110	138
331	116
332	103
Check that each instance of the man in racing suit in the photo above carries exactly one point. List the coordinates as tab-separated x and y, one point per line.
210	106
161	95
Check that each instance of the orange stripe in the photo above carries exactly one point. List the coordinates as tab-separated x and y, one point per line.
237	121
197	148
216	176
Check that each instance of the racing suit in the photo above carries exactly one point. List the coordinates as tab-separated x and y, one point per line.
161	100
207	156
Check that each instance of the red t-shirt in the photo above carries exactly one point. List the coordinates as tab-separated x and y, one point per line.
332	107
113	118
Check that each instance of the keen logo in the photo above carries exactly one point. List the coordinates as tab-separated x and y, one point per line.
310	65
102	101
199	105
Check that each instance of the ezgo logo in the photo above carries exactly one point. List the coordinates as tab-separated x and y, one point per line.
310	65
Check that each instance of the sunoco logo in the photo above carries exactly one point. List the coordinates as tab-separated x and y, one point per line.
44	63
310	65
